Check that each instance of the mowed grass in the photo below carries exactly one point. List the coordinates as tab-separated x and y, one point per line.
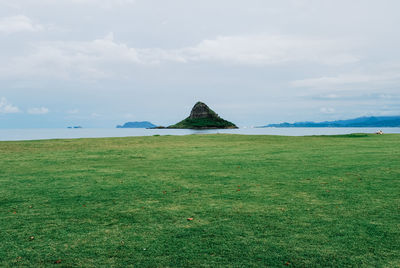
255	201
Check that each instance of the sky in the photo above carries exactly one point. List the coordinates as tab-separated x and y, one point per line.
99	63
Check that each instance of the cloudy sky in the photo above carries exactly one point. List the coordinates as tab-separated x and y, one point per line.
99	63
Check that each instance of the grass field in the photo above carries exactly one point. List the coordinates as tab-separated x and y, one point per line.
255	201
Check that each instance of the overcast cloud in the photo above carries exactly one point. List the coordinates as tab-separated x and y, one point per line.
98	63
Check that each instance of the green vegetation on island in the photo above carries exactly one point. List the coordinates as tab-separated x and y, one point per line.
204	123
201	200
202	117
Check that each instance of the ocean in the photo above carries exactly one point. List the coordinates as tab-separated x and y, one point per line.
41	134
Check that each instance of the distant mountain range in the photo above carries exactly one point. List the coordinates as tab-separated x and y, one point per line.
372	121
143	124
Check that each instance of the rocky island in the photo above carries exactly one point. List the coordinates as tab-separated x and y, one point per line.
202	117
143	124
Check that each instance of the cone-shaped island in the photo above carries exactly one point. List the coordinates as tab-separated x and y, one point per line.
202	117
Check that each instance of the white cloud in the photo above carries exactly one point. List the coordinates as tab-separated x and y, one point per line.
326	110
346	79
331	96
7	108
98	3
129	116
105	3
93	59
38	111
95	115
98	58
19	23
73	111
270	49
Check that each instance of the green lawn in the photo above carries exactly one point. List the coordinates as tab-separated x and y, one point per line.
255	201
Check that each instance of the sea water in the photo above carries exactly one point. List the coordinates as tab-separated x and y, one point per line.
40	134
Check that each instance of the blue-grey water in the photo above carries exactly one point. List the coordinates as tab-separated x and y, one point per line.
40	134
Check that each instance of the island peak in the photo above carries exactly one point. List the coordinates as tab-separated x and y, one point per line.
201	110
202	117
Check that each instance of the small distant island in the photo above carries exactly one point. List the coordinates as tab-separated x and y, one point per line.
202	117
75	127
143	124
372	121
